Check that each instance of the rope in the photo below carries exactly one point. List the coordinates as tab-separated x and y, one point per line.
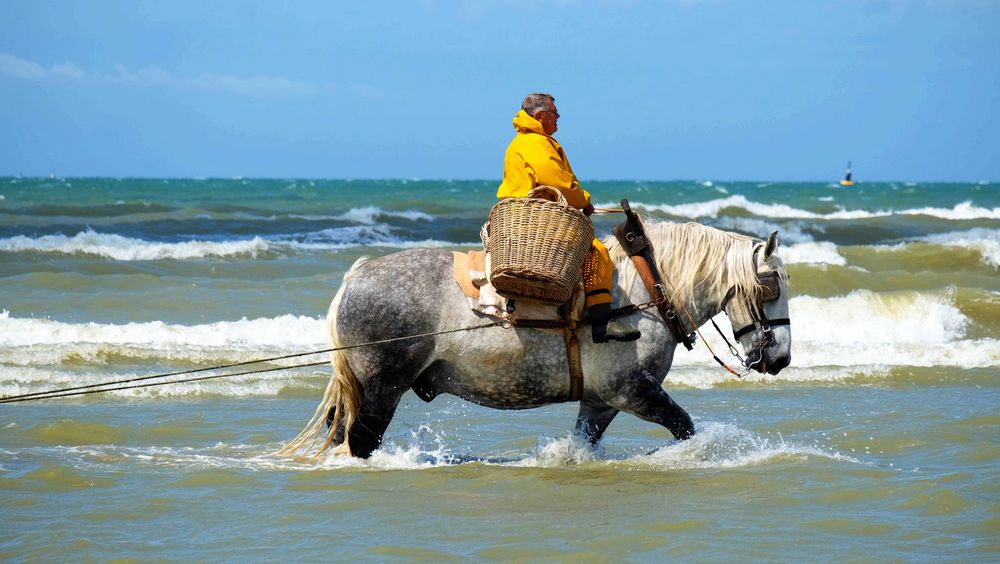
90	389
58	394
698	331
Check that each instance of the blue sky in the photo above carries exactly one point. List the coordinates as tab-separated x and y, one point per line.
660	90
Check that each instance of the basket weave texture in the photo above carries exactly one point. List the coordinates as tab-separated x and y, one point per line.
537	246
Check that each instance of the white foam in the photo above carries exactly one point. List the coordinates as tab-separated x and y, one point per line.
353	236
570	450
712	208
28	380
761	228
965	210
864	316
724	445
983	240
117	247
368	215
283	330
861	332
823	252
708	375
715	445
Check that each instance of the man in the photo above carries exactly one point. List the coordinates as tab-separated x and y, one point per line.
533	159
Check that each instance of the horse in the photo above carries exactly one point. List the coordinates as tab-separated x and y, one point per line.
409	304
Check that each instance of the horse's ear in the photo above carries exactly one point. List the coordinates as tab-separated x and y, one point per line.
772	245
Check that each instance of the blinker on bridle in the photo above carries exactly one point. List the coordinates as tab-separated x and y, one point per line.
770	283
770	291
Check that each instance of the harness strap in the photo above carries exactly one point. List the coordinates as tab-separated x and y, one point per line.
633	240
768	322
574	361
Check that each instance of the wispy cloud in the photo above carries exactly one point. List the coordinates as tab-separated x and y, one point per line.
257	85
28	70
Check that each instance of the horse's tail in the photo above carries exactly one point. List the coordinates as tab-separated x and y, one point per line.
342	397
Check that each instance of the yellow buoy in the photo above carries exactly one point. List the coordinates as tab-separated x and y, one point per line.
847	177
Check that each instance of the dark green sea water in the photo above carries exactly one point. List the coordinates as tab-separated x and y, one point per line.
879	442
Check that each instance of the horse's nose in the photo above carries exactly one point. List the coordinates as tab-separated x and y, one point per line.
777	364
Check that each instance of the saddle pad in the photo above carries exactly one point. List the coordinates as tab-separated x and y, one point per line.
470	275
465	264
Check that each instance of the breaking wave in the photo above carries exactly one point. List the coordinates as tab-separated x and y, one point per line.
121	248
985	241
368	215
834	339
712	208
117	247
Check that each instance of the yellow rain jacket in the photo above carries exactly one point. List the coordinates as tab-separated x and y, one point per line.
534	159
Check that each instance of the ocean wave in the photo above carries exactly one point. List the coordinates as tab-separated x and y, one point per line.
306	381
117	247
337	238
121	248
761	228
368	215
863	316
985	241
712	208
861	329
965	210
823	252
282	331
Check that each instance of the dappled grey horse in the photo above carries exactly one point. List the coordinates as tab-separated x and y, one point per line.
413	292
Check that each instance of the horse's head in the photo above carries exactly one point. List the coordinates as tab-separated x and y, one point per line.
759	312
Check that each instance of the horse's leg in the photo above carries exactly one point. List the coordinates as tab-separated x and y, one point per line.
377	408
366	434
644	397
593	420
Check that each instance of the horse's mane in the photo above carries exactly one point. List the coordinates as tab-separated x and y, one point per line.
690	255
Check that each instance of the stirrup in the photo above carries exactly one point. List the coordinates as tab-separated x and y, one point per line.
604	329
613	331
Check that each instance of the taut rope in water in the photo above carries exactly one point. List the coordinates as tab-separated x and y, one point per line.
100	388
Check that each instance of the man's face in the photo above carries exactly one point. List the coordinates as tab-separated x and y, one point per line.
549	118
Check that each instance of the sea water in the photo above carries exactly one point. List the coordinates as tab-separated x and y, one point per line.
880	441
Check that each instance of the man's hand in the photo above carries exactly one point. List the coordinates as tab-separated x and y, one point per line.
588	210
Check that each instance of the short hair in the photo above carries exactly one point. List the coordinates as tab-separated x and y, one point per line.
536	102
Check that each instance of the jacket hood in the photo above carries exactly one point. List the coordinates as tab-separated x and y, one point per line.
523	123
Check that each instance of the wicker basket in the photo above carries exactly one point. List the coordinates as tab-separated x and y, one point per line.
537	246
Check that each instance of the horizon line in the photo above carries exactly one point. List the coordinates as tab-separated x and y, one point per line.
710	181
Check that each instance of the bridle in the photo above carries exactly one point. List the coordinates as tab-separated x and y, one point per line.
632	237
770	283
